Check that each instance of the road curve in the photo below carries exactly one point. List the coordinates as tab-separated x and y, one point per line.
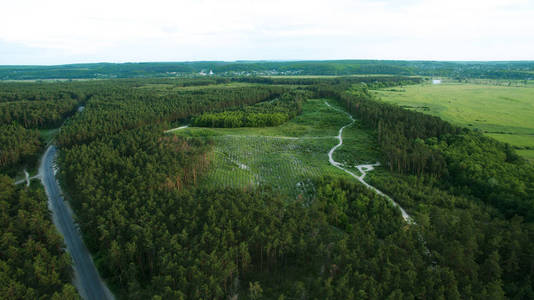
361	168
86	277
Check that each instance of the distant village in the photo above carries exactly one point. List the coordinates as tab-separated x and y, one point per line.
250	73
203	73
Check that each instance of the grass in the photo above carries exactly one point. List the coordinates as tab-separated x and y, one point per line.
329	76
499	82
285	164
287	156
528	154
518	140
502	112
359	147
48	134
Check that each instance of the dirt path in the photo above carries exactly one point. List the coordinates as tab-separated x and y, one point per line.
177	128
364	168
27	178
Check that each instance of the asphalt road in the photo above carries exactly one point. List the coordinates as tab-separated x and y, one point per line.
87	280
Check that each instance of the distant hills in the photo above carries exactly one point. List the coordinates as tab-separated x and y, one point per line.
521	70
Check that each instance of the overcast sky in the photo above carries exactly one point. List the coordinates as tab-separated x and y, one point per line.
71	31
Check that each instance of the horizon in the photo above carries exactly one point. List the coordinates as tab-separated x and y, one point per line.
267	61
59	32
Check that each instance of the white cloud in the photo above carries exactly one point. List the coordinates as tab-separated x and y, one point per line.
156	30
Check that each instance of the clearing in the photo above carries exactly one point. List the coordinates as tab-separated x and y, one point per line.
289	155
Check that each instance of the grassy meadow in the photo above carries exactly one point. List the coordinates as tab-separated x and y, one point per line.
505	113
286	156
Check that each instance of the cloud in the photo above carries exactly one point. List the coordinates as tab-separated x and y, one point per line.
236	29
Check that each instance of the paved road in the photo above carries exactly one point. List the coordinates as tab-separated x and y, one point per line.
362	168
87	280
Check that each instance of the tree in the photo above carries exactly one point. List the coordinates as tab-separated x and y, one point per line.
255	291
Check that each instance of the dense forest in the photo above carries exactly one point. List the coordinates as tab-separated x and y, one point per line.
27	107
33	264
18	145
122	108
35	105
158	232
263	114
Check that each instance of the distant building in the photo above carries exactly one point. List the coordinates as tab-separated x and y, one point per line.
436	81
211	72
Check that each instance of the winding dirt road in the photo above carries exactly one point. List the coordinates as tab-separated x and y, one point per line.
362	168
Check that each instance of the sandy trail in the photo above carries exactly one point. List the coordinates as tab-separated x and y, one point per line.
364	168
27	178
177	128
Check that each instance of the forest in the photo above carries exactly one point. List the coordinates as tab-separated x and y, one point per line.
33	264
262	114
18	146
156	231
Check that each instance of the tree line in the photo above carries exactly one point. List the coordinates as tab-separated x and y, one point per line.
263	114
233	119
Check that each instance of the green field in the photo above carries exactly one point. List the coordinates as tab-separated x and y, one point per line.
528	154
286	156
502	112
329	76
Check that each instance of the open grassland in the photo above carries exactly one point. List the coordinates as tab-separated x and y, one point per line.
528	154
502	112
330	76
286	156
487	81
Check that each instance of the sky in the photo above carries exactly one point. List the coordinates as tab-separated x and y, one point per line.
37	32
